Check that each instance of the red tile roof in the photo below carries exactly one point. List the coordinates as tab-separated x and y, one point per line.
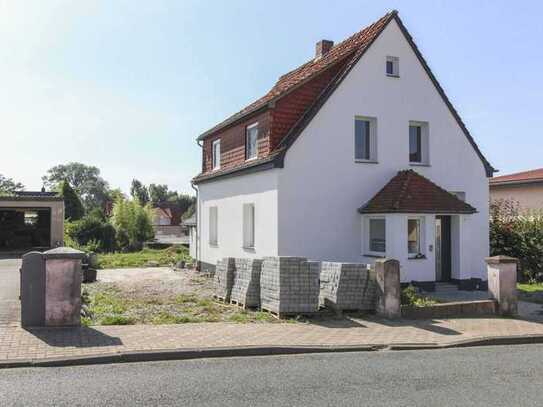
410	192
287	82
519	177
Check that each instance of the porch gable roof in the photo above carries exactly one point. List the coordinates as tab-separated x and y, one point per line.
410	192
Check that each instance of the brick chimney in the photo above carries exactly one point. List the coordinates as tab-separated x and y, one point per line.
322	48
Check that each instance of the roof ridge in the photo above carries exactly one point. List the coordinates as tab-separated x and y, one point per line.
282	87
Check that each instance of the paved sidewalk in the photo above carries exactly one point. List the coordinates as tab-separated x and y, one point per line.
17	344
9	292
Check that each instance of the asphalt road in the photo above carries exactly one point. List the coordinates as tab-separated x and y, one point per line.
496	376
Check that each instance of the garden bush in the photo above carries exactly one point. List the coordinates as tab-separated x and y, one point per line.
91	234
133	224
518	234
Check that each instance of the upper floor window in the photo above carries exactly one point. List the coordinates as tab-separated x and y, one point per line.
393	66
365	139
251	137
418	143
216	154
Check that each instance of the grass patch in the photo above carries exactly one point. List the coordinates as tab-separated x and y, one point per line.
163	257
107	304
530	292
410	297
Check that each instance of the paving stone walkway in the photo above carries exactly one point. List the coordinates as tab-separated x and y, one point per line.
18	344
41	343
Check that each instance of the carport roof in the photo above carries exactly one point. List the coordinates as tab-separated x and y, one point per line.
30	198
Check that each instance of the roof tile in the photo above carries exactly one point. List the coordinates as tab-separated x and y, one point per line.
410	192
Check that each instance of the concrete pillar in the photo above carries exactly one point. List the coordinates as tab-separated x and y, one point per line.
63	275
502	283
388	288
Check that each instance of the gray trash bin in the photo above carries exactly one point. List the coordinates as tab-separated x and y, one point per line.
51	288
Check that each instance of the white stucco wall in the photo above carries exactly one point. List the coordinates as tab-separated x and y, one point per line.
229	195
321	186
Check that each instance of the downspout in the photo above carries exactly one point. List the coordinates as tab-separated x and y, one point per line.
197	250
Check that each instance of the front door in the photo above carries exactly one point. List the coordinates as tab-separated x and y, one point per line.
443	248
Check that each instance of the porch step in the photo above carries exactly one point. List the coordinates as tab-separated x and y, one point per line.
446	287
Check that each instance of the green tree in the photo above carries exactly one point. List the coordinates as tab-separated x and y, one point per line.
84	179
8	186
73	208
132	223
158	193
138	191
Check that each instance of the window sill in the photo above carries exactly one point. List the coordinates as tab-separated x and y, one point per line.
414	164
366	161
213	244
392	75
249	248
421	257
376	256
251	159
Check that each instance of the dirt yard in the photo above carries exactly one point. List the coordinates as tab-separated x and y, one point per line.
158	295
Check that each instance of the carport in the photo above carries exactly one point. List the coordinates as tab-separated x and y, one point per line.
31	220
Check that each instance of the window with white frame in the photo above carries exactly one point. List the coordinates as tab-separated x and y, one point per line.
251	138
376	236
213	226
216	154
414	237
249	226
419	143
365	139
393	66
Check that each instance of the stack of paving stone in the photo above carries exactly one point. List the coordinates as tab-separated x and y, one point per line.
246	288
224	278
347	286
289	285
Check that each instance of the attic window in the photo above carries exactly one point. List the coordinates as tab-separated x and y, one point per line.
393	66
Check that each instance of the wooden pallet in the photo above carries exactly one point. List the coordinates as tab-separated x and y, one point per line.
242	305
219	298
285	315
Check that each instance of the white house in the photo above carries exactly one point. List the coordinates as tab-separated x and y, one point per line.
355	155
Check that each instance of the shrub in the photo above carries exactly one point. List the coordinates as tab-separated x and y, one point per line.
133	224
518	234
90	233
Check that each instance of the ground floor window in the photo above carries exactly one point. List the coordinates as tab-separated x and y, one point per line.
377	236
213	225
414	236
249	226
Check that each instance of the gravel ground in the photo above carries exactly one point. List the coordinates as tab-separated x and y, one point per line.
158	295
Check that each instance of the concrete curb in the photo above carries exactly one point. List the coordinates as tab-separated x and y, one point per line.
186	354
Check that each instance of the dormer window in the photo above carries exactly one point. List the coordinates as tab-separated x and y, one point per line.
393	66
251	137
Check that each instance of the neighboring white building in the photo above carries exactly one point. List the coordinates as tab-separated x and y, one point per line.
349	158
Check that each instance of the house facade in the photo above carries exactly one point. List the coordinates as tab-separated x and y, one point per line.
524	188
358	154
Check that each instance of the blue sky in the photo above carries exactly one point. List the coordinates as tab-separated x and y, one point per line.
128	85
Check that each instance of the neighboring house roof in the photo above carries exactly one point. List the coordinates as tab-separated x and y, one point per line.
171	212
349	52
525	177
35	194
410	192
